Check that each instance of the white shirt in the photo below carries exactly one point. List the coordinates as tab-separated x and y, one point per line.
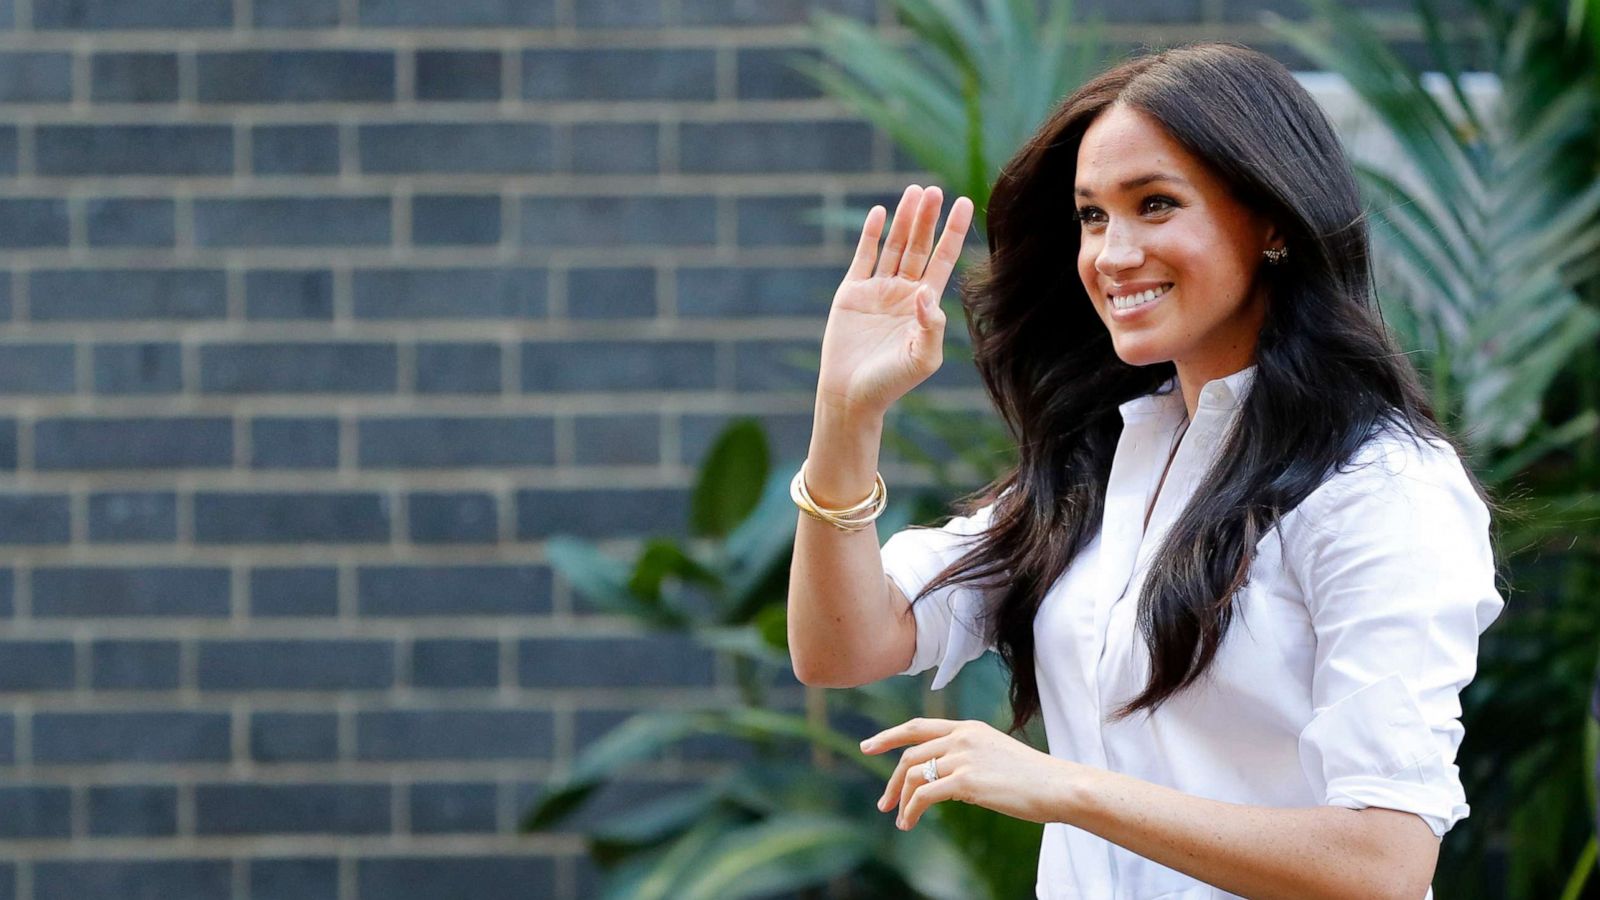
1338	682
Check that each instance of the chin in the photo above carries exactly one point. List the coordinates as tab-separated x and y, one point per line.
1140	353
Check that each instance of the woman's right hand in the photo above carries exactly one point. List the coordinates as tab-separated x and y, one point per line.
885	331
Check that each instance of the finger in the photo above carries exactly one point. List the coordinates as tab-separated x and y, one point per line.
909	760
899	230
949	249
911	731
921	242
867	248
948	765
948	787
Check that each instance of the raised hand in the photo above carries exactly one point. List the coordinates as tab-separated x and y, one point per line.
885	331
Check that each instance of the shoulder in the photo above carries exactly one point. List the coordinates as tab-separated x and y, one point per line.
1396	474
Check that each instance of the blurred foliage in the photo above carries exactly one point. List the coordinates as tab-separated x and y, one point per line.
1487	242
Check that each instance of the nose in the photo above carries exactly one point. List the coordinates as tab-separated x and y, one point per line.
1119	252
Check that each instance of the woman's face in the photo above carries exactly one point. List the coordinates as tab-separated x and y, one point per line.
1154	217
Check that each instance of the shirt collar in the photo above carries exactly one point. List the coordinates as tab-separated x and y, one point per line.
1225	393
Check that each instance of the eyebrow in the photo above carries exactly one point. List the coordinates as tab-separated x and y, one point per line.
1141	180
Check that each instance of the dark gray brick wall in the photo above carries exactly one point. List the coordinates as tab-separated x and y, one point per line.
317	319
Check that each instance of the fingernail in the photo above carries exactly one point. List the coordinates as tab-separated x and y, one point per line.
866	744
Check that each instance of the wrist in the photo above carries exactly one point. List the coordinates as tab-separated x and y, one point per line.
1070	792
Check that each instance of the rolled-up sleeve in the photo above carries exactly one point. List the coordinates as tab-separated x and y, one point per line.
1399	580
949	633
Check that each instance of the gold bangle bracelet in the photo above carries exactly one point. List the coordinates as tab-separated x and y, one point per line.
853	518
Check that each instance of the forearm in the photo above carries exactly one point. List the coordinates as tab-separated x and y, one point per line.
1252	851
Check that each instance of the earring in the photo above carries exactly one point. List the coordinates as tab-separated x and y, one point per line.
1275	256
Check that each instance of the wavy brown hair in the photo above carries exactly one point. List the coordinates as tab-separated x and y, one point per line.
1328	375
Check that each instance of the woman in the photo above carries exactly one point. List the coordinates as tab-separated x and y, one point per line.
1238	570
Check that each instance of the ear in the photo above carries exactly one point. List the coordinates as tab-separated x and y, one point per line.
1275	237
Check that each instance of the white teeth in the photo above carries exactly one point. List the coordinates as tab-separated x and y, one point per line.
1129	301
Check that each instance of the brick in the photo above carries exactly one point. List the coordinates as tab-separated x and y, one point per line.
456	441
278	737
455	663
768	147
134	665
7	590
294	592
294	879
452	808
492	590
125	222
453	518
458	368
5	302
620	14
32	77
295	13
138	369
618	440
134	810
76	879
613	221
296	665
780	221
8	444
133	516
294	443
7	20
775	365
34	519
294	150
8	756
769	73
288	368
135	443
460	14
29	222
133	78
619	74
38	369
130	591
134	149
292	222
768	12
36	665
439	220
296	76
8	150
597	513
93	15
458	147
722	293
450	293
285	517
129	737
458	75
343	808
655	661
289	294
611	293
35	811
616	148
618	221
122	295
453	877
461	734
572	365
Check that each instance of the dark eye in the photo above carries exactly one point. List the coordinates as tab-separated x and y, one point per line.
1160	199
1086	214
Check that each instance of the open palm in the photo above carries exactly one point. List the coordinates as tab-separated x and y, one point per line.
885	331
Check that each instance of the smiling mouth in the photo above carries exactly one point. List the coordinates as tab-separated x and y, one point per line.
1130	301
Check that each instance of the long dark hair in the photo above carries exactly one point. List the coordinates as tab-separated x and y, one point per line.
1328	376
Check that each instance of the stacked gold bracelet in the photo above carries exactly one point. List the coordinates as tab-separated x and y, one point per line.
854	518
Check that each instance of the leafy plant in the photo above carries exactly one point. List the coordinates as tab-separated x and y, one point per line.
803	813
1488	245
